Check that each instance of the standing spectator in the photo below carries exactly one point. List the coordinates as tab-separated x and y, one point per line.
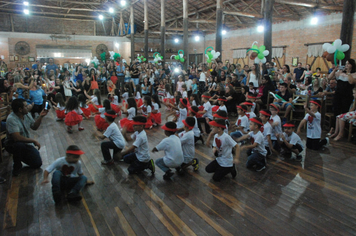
51	66
202	79
120	70
239	73
254	76
135	74
298	72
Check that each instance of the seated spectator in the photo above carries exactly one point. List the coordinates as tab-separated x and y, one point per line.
285	102
264	89
232	100
291	87
315	89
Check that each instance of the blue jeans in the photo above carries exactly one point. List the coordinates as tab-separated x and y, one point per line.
255	158
136	80
161	165
236	134
63	183
281	103
31	158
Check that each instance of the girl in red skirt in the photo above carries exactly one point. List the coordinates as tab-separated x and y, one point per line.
94	102
169	98
59	106
83	106
131	112
73	115
138	96
114	98
100	121
146	109
156	114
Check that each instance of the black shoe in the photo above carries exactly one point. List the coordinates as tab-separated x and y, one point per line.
299	158
233	172
151	166
57	197
74	197
168	175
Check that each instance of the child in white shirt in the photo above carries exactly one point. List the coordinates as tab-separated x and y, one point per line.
290	141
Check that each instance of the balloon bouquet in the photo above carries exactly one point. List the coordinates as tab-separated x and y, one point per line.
211	55
141	59
157	57
258	53
335	51
179	57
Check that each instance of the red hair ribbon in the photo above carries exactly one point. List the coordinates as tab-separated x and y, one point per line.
240	107
265	113
110	115
214	123
256	121
185	123
75	152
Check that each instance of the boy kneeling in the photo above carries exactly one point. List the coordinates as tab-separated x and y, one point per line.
222	149
65	175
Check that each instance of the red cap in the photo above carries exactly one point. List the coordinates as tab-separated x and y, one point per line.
113	116
315	103
75	152
221	117
249	96
288	125
273	105
185	123
205	96
181	100
240	107
248	103
265	113
256	121
168	129
220	99
190	109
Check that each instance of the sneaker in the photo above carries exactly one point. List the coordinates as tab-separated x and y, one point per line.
81	128
299	158
73	197
195	164
109	162
151	166
168	175
57	197
233	172
261	169
327	142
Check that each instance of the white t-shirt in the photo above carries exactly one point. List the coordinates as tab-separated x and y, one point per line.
259	139
155	107
67	169
78	111
115	101
138	95
243	121
60	107
102	111
202	77
293	139
222	108
224	145
125	96
187	141
188	83
114	134
253	107
276	129
184	94
94	99
168	95
146	109
141	144
267	130
131	112
194	103
196	129
250	115
182	116
313	125
173	151
207	108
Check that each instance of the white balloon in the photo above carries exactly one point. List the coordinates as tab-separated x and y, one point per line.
206	55
344	48
181	55
264	60
172	56
326	46
265	53
337	43
331	49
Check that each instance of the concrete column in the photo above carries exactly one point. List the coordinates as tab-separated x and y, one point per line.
185	33
146	28
163	32
219	27
267	15
347	26
132	33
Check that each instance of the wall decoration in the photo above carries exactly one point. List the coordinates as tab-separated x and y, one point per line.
12	58
24	59
16	58
295	61
31	59
22	48
101	48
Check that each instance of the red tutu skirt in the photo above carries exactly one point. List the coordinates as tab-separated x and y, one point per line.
201	108
139	102
156	117
149	122
60	114
100	123
169	100
214	108
72	118
92	108
128	123
115	108
86	111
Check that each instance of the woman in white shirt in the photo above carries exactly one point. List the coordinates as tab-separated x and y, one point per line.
254	76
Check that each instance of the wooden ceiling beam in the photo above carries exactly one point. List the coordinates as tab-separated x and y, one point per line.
190	29
303	3
201	21
255	15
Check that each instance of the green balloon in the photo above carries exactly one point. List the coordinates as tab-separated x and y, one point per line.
208	61
262	48
254	46
210	56
144	59
161	57
176	57
182	59
260	56
340	55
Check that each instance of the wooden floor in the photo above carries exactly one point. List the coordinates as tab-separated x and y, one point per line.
315	197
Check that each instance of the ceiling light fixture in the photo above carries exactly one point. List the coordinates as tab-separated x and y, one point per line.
26	11
25	3
101	17
123	2
197	38
111	10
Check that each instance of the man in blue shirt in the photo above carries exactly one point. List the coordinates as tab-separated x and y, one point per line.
51	66
120	70
298	72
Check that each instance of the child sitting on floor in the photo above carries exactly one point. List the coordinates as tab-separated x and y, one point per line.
138	154
193	111
256	150
222	149
73	115
241	127
266	130
60	106
290	141
313	120
172	149
65	176
117	141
